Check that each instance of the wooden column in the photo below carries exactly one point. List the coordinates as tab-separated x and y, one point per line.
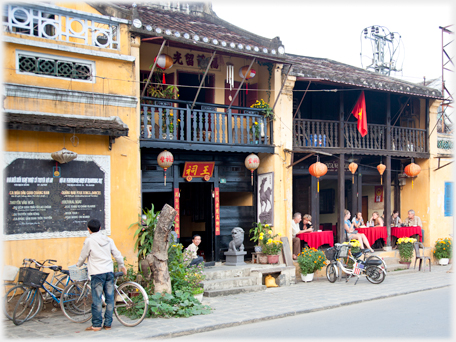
387	185
341	120
341	196
397	193
354	199
314	203
427	126
360	194
387	199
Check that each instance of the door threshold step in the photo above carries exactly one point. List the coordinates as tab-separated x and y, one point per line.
235	290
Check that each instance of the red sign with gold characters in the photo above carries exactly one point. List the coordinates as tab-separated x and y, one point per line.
378	194
198	169
176	207
217	211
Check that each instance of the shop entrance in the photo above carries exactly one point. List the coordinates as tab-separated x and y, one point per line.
196	217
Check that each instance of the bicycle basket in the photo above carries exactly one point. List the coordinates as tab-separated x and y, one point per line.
331	254
78	274
34	277
343	251
22	274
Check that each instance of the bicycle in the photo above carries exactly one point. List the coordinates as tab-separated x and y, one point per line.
372	268
130	300
34	280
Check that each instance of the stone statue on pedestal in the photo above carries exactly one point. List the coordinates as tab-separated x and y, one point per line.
235	257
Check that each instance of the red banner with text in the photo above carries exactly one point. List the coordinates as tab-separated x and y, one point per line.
176	207
217	211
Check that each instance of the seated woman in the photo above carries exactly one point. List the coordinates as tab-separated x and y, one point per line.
376	220
395	219
353	234
358	220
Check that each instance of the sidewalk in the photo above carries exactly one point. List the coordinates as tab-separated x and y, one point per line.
243	308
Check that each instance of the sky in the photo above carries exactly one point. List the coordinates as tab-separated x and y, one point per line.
332	29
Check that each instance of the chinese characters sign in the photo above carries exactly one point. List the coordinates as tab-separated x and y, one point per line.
198	169
217	211
176	207
202	60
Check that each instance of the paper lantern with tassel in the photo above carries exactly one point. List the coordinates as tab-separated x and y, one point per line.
353	167
252	162
64	156
243	74
317	170
381	168
164	62
412	170
165	159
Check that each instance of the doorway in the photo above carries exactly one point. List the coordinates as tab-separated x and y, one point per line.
196	217
188	87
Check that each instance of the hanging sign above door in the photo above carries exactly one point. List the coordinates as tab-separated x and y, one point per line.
198	169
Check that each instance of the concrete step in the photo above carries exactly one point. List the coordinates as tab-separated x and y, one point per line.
225	284
213	274
398	267
391	261
236	290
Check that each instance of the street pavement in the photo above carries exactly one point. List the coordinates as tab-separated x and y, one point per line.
243	308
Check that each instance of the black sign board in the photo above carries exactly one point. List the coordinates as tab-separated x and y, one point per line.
43	196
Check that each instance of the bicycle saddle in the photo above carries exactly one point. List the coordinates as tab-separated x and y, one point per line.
118	274
56	268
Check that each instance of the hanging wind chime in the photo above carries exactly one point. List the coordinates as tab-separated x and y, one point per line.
243	74
164	62
230	75
252	162
412	170
317	170
353	167
165	159
381	168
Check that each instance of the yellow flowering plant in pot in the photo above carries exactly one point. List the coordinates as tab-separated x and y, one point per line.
255	233
443	248
266	109
271	246
311	260
405	246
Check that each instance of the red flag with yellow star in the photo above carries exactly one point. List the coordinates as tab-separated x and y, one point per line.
359	112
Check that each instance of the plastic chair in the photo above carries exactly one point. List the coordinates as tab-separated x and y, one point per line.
417	246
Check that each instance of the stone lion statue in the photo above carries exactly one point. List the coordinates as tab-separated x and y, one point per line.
238	240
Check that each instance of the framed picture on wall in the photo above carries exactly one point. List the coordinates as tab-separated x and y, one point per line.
265	198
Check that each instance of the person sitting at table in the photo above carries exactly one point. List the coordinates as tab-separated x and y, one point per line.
358	220
353	234
395	219
296	230
306	224
412	220
376	221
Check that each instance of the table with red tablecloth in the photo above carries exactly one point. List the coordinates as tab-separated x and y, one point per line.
374	233
333	229
401	232
316	239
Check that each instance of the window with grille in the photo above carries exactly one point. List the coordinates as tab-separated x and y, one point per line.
55	66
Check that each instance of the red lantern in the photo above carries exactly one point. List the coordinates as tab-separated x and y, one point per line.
164	62
252	162
165	159
242	74
412	170
317	170
353	167
381	168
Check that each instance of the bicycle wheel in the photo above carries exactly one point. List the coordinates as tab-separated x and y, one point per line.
130	303
11	298
76	302
383	261
375	274
29	304
331	273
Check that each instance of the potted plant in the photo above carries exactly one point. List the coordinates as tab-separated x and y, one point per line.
271	247
266	109
255	232
355	247
310	260
255	129
194	278
405	246
443	249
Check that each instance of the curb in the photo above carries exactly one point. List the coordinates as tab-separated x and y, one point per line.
282	315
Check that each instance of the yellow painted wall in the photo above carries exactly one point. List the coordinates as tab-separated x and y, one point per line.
115	77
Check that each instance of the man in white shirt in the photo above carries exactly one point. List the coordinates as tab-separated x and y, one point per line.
296	230
192	250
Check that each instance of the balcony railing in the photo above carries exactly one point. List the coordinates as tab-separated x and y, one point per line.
445	143
174	120
325	134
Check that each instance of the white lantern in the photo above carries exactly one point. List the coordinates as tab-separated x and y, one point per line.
165	159
252	162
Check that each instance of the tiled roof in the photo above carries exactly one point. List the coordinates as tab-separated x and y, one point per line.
336	72
195	27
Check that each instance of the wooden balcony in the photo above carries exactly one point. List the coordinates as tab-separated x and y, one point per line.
206	127
321	134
